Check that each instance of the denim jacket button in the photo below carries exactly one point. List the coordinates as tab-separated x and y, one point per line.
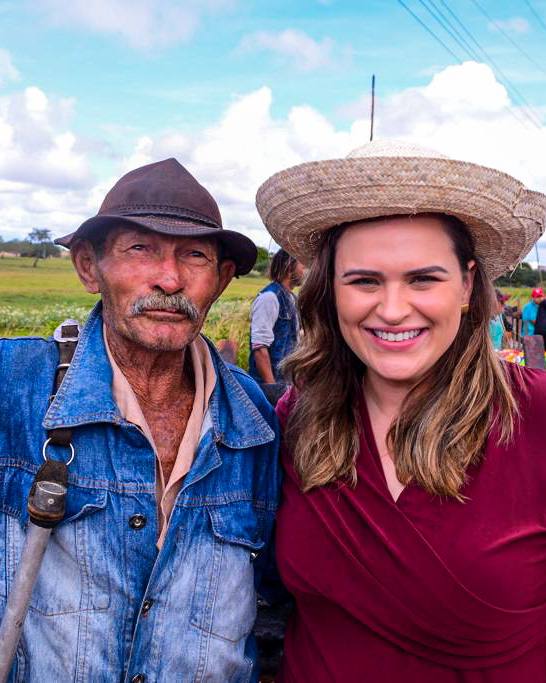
253	556
138	678
137	521
146	606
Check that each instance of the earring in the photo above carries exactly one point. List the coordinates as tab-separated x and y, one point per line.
465	308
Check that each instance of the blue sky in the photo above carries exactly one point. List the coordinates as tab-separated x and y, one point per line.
237	90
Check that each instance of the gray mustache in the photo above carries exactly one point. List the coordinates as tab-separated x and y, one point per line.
165	302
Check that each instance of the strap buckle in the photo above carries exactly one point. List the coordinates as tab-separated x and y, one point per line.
67	331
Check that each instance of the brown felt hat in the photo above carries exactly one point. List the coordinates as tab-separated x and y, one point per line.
166	198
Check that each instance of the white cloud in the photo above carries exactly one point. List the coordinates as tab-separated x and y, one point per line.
36	146
8	72
233	157
514	25
465	113
293	46
462	112
44	177
143	24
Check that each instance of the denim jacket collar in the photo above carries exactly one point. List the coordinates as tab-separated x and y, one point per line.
85	396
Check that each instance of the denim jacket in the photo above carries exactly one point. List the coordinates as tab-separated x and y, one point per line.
108	606
285	332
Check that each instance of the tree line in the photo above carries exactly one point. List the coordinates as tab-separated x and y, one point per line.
38	244
522	276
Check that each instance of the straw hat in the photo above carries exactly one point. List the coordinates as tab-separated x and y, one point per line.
388	177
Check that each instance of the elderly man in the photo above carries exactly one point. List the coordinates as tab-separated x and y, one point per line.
174	481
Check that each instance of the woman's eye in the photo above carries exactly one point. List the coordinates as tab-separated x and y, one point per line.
365	282
424	279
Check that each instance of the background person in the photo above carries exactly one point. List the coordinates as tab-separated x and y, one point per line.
415	476
540	323
274	324
530	311
500	327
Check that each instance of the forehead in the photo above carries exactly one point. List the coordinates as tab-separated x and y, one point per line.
398	240
122	234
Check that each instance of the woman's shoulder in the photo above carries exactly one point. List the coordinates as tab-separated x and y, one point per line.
285	405
529	387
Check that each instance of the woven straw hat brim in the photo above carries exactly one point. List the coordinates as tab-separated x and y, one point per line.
300	204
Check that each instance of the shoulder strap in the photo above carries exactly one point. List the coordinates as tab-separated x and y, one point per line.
66	336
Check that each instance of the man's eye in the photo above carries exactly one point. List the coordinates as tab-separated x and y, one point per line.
195	257
138	247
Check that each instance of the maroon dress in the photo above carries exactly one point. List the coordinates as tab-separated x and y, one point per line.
425	589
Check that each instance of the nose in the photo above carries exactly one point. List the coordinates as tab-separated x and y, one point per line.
393	306
169	276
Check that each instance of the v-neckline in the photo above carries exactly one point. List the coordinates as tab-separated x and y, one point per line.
369	438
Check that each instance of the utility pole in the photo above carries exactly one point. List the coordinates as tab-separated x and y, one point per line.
373	107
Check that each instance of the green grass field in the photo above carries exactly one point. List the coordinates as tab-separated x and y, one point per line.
33	301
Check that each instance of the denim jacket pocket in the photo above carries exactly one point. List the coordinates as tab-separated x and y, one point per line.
73	576
224	601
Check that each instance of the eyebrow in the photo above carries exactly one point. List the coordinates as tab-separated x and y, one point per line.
378	273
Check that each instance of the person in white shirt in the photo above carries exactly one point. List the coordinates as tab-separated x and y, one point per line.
274	324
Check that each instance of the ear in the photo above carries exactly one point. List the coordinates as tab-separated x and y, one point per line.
85	262
226	272
468	281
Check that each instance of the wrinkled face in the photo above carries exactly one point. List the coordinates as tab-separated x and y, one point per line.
398	290
156	289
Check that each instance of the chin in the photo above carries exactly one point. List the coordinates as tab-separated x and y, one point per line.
404	375
164	339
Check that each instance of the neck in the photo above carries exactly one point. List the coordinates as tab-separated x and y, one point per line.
384	395
158	378
287	283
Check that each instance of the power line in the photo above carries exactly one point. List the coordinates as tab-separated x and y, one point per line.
448	28
471	52
508	37
537	15
428	30
528	111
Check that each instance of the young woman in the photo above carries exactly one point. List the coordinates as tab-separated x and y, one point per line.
412	532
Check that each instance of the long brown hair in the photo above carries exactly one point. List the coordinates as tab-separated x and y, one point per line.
445	419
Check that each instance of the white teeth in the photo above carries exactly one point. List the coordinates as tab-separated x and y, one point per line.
398	337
